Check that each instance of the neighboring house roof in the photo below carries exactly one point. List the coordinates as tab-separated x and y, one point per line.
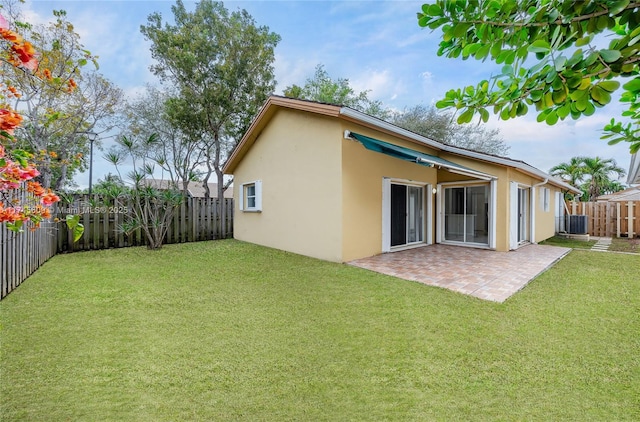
629	194
634	170
194	189
348	114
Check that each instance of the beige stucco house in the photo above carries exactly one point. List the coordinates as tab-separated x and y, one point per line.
330	182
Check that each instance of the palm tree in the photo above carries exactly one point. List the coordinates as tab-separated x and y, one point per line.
571	172
597	172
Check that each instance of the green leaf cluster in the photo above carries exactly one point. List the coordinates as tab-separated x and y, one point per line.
324	89
77	228
551	60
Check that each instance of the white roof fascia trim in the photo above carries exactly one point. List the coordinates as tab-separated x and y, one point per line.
457	170
365	118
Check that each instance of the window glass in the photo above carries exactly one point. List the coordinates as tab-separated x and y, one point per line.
250	195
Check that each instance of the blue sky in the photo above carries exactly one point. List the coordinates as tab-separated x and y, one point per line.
377	45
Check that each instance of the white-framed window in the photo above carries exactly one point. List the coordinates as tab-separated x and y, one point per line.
251	196
545	198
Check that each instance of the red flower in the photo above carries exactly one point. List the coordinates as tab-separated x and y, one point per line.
9	120
35	188
26	54
49	198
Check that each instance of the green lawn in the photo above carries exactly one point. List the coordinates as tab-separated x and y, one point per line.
618	244
569	243
225	330
623	244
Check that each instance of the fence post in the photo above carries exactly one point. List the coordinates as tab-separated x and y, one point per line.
618	218
632	218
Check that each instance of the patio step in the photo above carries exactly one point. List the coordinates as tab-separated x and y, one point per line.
602	245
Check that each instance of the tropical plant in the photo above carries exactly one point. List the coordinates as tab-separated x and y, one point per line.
111	186
221	67
592	175
570	172
152	205
565	58
179	154
598	173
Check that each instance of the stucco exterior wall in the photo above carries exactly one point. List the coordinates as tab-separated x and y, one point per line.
545	224
362	172
543	221
322	195
298	159
502	192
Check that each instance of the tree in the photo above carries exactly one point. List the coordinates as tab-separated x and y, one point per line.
23	201
571	172
63	104
593	175
111	186
180	155
611	186
551	55
152	206
427	121
221	65
598	173
322	88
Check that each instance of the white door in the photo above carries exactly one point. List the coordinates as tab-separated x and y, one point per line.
519	227
403	214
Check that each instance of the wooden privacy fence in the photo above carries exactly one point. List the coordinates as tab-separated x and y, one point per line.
609	219
21	254
194	220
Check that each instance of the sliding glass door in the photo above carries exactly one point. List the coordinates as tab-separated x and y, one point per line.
407	217
466	214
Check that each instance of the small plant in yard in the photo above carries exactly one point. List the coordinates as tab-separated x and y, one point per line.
152	208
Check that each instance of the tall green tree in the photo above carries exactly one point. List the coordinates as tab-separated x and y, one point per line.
571	172
552	58
221	65
442	127
323	88
593	175
598	175
179	155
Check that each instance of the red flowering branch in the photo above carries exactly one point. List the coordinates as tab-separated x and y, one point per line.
23	202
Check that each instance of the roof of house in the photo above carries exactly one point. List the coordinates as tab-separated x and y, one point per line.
194	189
629	194
634	170
274	103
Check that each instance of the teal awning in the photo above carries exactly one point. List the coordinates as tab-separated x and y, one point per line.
414	156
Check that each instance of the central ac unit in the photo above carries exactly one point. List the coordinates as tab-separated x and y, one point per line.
576	224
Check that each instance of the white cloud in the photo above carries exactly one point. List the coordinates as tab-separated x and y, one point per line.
292	72
544	146
381	84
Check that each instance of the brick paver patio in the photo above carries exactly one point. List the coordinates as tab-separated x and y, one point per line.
485	274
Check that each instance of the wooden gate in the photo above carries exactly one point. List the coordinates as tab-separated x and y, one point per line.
609	219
